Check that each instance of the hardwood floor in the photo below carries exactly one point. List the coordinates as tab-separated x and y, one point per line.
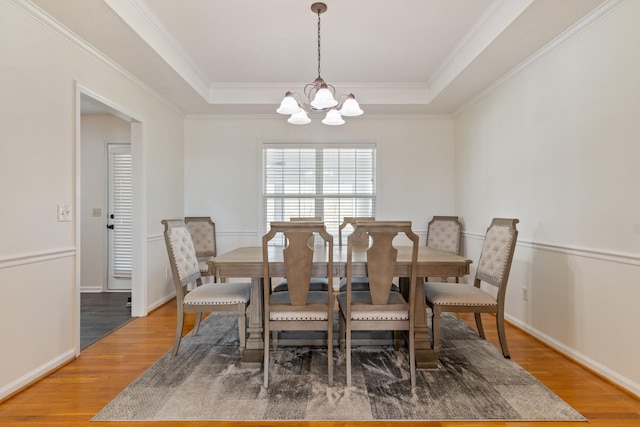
73	394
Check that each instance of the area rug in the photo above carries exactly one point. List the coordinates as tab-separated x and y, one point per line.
205	382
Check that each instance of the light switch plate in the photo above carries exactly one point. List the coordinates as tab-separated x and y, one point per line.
96	212
64	212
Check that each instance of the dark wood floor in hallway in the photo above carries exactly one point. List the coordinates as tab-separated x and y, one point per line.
101	313
73	394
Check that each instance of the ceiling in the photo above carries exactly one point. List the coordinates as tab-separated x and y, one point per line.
241	56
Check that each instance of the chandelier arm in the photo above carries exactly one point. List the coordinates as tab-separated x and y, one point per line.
341	99
308	91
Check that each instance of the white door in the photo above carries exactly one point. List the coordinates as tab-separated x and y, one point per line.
119	217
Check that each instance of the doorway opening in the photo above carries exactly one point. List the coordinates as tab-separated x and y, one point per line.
110	225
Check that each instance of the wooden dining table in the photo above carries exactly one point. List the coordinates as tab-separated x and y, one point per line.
246	262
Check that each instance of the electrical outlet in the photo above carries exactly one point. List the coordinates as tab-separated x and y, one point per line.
96	212
525	294
64	213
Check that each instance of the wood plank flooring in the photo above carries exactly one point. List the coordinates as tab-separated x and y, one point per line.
73	394
101	313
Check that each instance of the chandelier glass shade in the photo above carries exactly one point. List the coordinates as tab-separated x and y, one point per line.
319	96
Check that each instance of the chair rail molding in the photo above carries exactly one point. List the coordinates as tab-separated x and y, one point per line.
602	255
36	257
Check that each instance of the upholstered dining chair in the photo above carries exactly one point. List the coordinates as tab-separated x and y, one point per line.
203	233
444	233
208	297
299	308
493	269
317	283
379	307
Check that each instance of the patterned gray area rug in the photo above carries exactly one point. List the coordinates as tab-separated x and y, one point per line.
205	382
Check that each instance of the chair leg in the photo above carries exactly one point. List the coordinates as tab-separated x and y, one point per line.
341	328
179	325
242	325
196	327
330	350
274	340
265	363
348	353
435	329
479	325
502	335
396	340
412	357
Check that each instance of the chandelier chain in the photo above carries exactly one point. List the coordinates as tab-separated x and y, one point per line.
319	43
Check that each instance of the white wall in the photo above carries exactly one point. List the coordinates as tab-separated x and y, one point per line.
96	131
222	167
557	146
39	72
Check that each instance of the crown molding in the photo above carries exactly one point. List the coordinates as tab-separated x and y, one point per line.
39	15
146	24
498	16
586	22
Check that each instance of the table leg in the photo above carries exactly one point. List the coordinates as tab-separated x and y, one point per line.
253	354
425	357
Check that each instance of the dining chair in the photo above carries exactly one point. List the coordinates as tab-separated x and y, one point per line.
493	269
379	307
203	233
207	297
299	308
358	283
444	233
317	283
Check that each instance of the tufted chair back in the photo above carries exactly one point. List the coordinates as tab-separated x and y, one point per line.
444	232
497	252
203	233
182	255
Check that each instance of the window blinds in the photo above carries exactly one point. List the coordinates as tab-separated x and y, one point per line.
327	181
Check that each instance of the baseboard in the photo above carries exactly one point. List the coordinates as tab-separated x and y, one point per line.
91	289
31	377
160	302
579	358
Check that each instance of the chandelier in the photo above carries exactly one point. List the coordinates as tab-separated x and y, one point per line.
319	96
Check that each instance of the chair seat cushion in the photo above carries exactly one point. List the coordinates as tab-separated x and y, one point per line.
219	294
457	293
315	284
361	284
313	297
363	298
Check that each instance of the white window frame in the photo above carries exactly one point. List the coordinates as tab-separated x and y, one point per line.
331	221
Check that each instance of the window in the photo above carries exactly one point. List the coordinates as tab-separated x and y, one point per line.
330	181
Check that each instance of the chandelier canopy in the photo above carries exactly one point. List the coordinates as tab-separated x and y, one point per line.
319	96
